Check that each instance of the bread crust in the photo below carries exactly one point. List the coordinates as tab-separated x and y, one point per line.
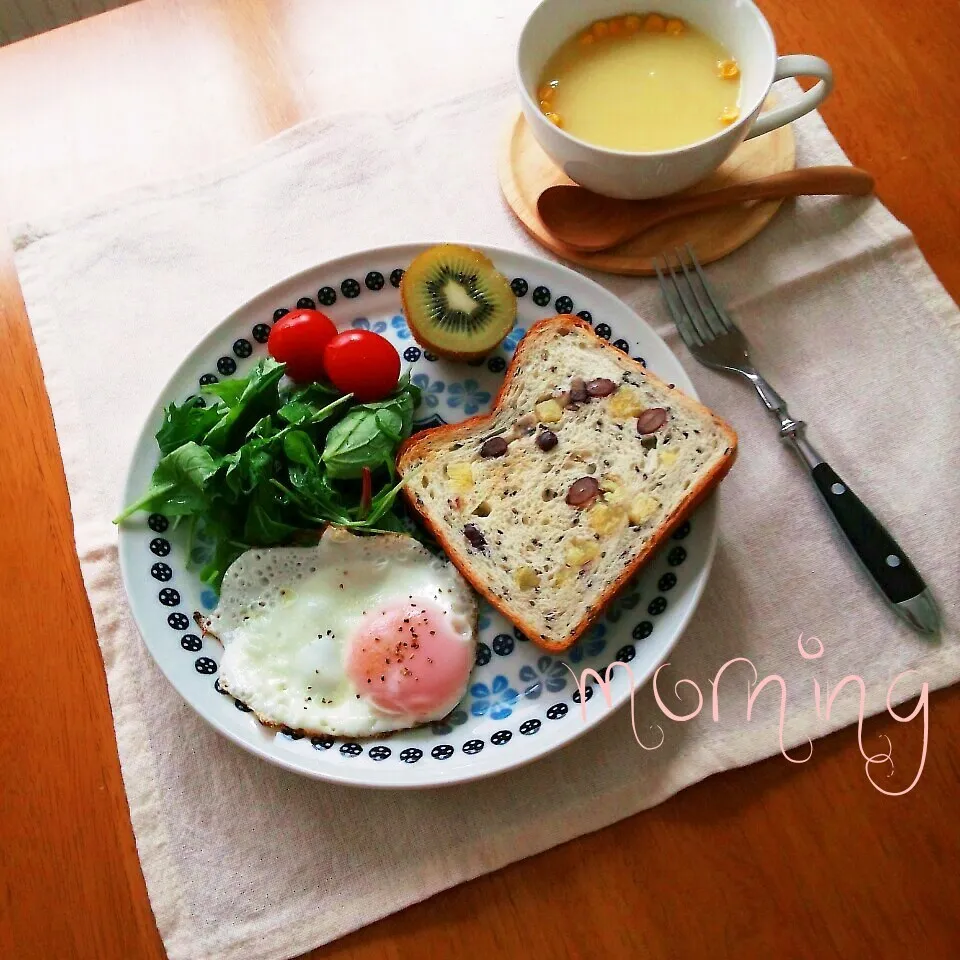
423	444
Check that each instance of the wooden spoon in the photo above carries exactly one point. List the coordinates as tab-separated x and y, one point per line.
587	221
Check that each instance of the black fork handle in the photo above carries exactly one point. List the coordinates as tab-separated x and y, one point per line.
891	570
882	556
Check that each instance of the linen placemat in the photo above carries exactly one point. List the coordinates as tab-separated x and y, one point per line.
245	860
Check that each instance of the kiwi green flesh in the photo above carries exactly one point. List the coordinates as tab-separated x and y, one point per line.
462	306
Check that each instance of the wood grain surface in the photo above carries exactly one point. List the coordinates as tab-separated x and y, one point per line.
770	861
525	171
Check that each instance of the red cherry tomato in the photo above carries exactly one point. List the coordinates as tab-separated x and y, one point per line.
363	363
298	340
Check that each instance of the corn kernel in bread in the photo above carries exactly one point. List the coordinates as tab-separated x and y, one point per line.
461	476
565	520
549	411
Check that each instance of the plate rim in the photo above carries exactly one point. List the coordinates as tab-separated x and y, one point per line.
360	778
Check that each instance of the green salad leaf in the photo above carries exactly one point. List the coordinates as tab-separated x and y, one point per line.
265	525
357	441
304	401
190	421
258	397
180	483
227	392
260	464
247	468
224	553
368	436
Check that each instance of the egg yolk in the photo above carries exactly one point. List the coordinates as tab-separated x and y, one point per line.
408	659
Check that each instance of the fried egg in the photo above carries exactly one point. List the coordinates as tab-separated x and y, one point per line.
354	637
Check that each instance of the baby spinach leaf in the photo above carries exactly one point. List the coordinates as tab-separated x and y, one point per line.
258	398
188	468
264	429
228	392
301	412
296	412
179	484
189	421
262	529
299	448
265	525
355	442
390	422
252	465
316	394
224	553
396	412
369	433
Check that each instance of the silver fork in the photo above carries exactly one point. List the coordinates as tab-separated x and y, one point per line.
716	341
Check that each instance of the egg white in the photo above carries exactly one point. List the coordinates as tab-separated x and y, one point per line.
286	614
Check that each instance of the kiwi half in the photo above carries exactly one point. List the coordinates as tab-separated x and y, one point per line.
456	302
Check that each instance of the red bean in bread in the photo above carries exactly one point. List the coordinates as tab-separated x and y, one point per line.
583	491
650	421
601	387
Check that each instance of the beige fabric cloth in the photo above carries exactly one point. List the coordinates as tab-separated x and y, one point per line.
245	860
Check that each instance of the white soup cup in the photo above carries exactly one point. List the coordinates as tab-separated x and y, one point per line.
737	24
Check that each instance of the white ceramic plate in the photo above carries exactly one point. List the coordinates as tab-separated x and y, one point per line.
521	703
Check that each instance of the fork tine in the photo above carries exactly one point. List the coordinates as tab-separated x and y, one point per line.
690	301
677	310
677	306
715	302
707	315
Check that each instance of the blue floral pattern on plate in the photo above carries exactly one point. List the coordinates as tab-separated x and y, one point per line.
362	323
497	698
547	674
399	327
484	616
456	718
469	395
511	340
592	645
431	390
623	604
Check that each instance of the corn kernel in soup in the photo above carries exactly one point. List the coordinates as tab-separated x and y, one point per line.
642	82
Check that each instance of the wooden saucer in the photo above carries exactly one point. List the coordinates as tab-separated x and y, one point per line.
525	171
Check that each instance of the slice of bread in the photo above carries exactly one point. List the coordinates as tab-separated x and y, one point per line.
502	509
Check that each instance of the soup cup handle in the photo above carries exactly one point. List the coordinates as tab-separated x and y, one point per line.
796	65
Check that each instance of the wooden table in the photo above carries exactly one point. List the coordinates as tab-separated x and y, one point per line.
769	861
